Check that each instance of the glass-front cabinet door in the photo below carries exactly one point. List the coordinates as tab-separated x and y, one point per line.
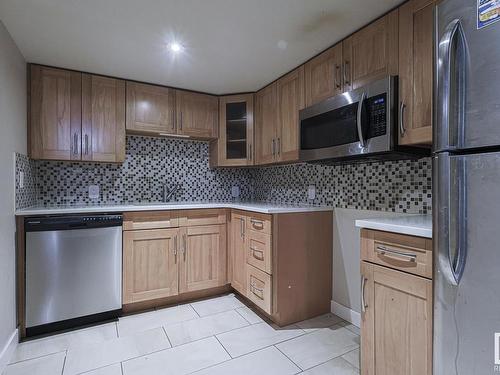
234	147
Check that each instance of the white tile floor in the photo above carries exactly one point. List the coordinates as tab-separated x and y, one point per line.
213	337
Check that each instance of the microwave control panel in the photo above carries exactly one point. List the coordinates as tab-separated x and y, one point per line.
377	112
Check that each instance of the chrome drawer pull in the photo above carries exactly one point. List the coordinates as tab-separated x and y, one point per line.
254	250
384	250
363	302
259	223
256	290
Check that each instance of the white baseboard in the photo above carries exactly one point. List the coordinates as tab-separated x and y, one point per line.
8	350
346	313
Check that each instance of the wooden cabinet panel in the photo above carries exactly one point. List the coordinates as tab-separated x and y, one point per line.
258	250
203	252
197	114
259	287
372	52
323	75
150	264
266	124
396	324
103	119
209	216
150	109
416	71
55	114
290	93
150	220
259	222
237	253
235	145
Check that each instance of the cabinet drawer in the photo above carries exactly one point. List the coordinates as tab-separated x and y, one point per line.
202	217
259	288
259	223
150	220
259	250
401	252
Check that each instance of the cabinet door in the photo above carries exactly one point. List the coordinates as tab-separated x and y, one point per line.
290	92
396	325
416	71
103	112
203	252
323	75
237	253
150	268
234	147
55	114
150	109
197	114
372	52
266	123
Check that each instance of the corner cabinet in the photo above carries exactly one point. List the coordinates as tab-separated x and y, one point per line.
416	47
235	145
75	116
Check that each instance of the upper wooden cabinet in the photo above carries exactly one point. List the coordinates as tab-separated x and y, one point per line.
75	116
416	72
103	119
234	147
197	114
323	75
371	53
150	109
55	126
290	94
266	124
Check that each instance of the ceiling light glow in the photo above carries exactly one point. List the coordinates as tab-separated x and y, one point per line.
175	47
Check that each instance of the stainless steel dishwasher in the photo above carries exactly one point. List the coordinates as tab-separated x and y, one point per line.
73	271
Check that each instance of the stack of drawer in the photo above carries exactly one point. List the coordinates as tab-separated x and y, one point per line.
258	250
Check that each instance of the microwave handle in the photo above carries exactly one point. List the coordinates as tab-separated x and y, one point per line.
359	119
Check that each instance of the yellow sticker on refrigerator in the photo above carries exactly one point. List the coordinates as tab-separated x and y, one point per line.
488	12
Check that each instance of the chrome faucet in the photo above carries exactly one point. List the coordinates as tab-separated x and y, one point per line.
169	192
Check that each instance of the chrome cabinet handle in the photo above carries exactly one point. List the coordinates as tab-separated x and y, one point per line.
384	250
363	301
337	76
242	227
278	147
175	249
273	145
359	119
75	144
402	129
346	80
258	223
86	144
256	290
250	152
181	119
254	250
184	247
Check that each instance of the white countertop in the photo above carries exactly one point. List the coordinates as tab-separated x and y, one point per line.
415	225
265	208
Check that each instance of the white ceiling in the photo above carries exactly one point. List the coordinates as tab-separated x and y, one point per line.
230	45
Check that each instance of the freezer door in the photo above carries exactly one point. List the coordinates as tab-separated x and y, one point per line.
467	259
467	103
72	273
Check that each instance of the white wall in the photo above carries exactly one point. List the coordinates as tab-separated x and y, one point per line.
346	258
12	139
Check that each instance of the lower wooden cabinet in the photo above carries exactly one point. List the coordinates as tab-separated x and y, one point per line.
203	253
237	255
150	264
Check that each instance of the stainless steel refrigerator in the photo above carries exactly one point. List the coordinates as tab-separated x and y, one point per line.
466	183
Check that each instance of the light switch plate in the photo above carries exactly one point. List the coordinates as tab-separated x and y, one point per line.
94	191
235	191
21	180
311	192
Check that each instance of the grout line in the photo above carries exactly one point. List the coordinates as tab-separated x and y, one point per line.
168	338
64	362
121	367
117	333
230	356
291	360
197	313
36	357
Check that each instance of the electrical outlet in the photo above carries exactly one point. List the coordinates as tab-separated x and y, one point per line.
311	192
235	191
21	180
94	191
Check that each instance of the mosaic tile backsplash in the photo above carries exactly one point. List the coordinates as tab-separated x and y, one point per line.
403	186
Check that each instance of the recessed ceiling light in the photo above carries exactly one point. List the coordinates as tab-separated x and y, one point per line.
175	47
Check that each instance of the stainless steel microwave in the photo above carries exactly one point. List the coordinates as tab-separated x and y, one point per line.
356	125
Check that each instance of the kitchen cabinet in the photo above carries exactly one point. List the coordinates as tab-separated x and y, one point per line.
55	124
150	109
416	45
396	316
237	252
290	94
323	75
196	114
203	253
103	119
371	53
150	264
234	147
266	122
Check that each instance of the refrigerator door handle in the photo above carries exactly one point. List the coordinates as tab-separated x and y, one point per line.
450	101
450	239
